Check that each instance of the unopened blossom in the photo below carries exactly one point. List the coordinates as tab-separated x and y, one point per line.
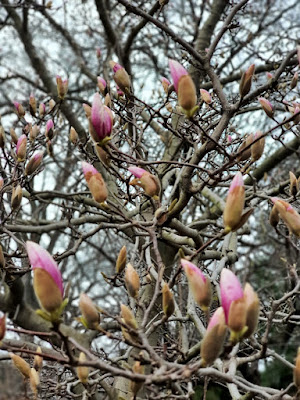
246	81
62	87
234	204
213	340
42	109
82	371
266	106
165	84
101	120
121	260
168	304
90	315
132	281
19	109
47	282
258	146
145	180
73	135
199	284
21	147
289	216
252	307
245	154
98	52
21	365
102	85
34	163
294	184
95	182
206	97
121	77
233	303
16	197
32	104
294	81
135	387
185	88
49	133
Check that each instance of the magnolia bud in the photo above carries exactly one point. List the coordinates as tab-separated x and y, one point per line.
34	163
246	81
206	97
234	203
73	135
32	105
136	386
102	155
187	97
95	182
42	109
19	109
13	135
87	110
1	182
21	148
34	130
294	184
49	133
102	85
266	106
51	104
121	261
62	87
49	147
46	290
166	84
258	146
290	216
168	304
38	360
82	372
16	197
237	315
34	380
90	315
214	337
21	365
128	317
297	370
121	77
132	281
246	153
252	304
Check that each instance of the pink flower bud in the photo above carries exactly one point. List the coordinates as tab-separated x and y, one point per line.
48	285
290	216
199	284
231	290
62	87
145	180
234	204
258	146
206	97
165	83
185	88
102	85
21	148
229	138
246	81
168	304
95	182
294	81
269	75
49	129
213	340
177	71
1	182
252	304
19	109
32	105
34	163
266	106
136	171
119	91
101	120
121	77
42	109
98	52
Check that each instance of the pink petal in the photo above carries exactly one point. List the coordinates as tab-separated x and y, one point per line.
102	81
177	71
21	139
231	290
136	171
86	167
192	270
38	155
40	258
49	125
237	181
218	317
116	67
166	81
101	118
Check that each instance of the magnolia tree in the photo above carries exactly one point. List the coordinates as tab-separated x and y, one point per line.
149	196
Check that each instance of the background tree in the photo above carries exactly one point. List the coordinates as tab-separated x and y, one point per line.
172	155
